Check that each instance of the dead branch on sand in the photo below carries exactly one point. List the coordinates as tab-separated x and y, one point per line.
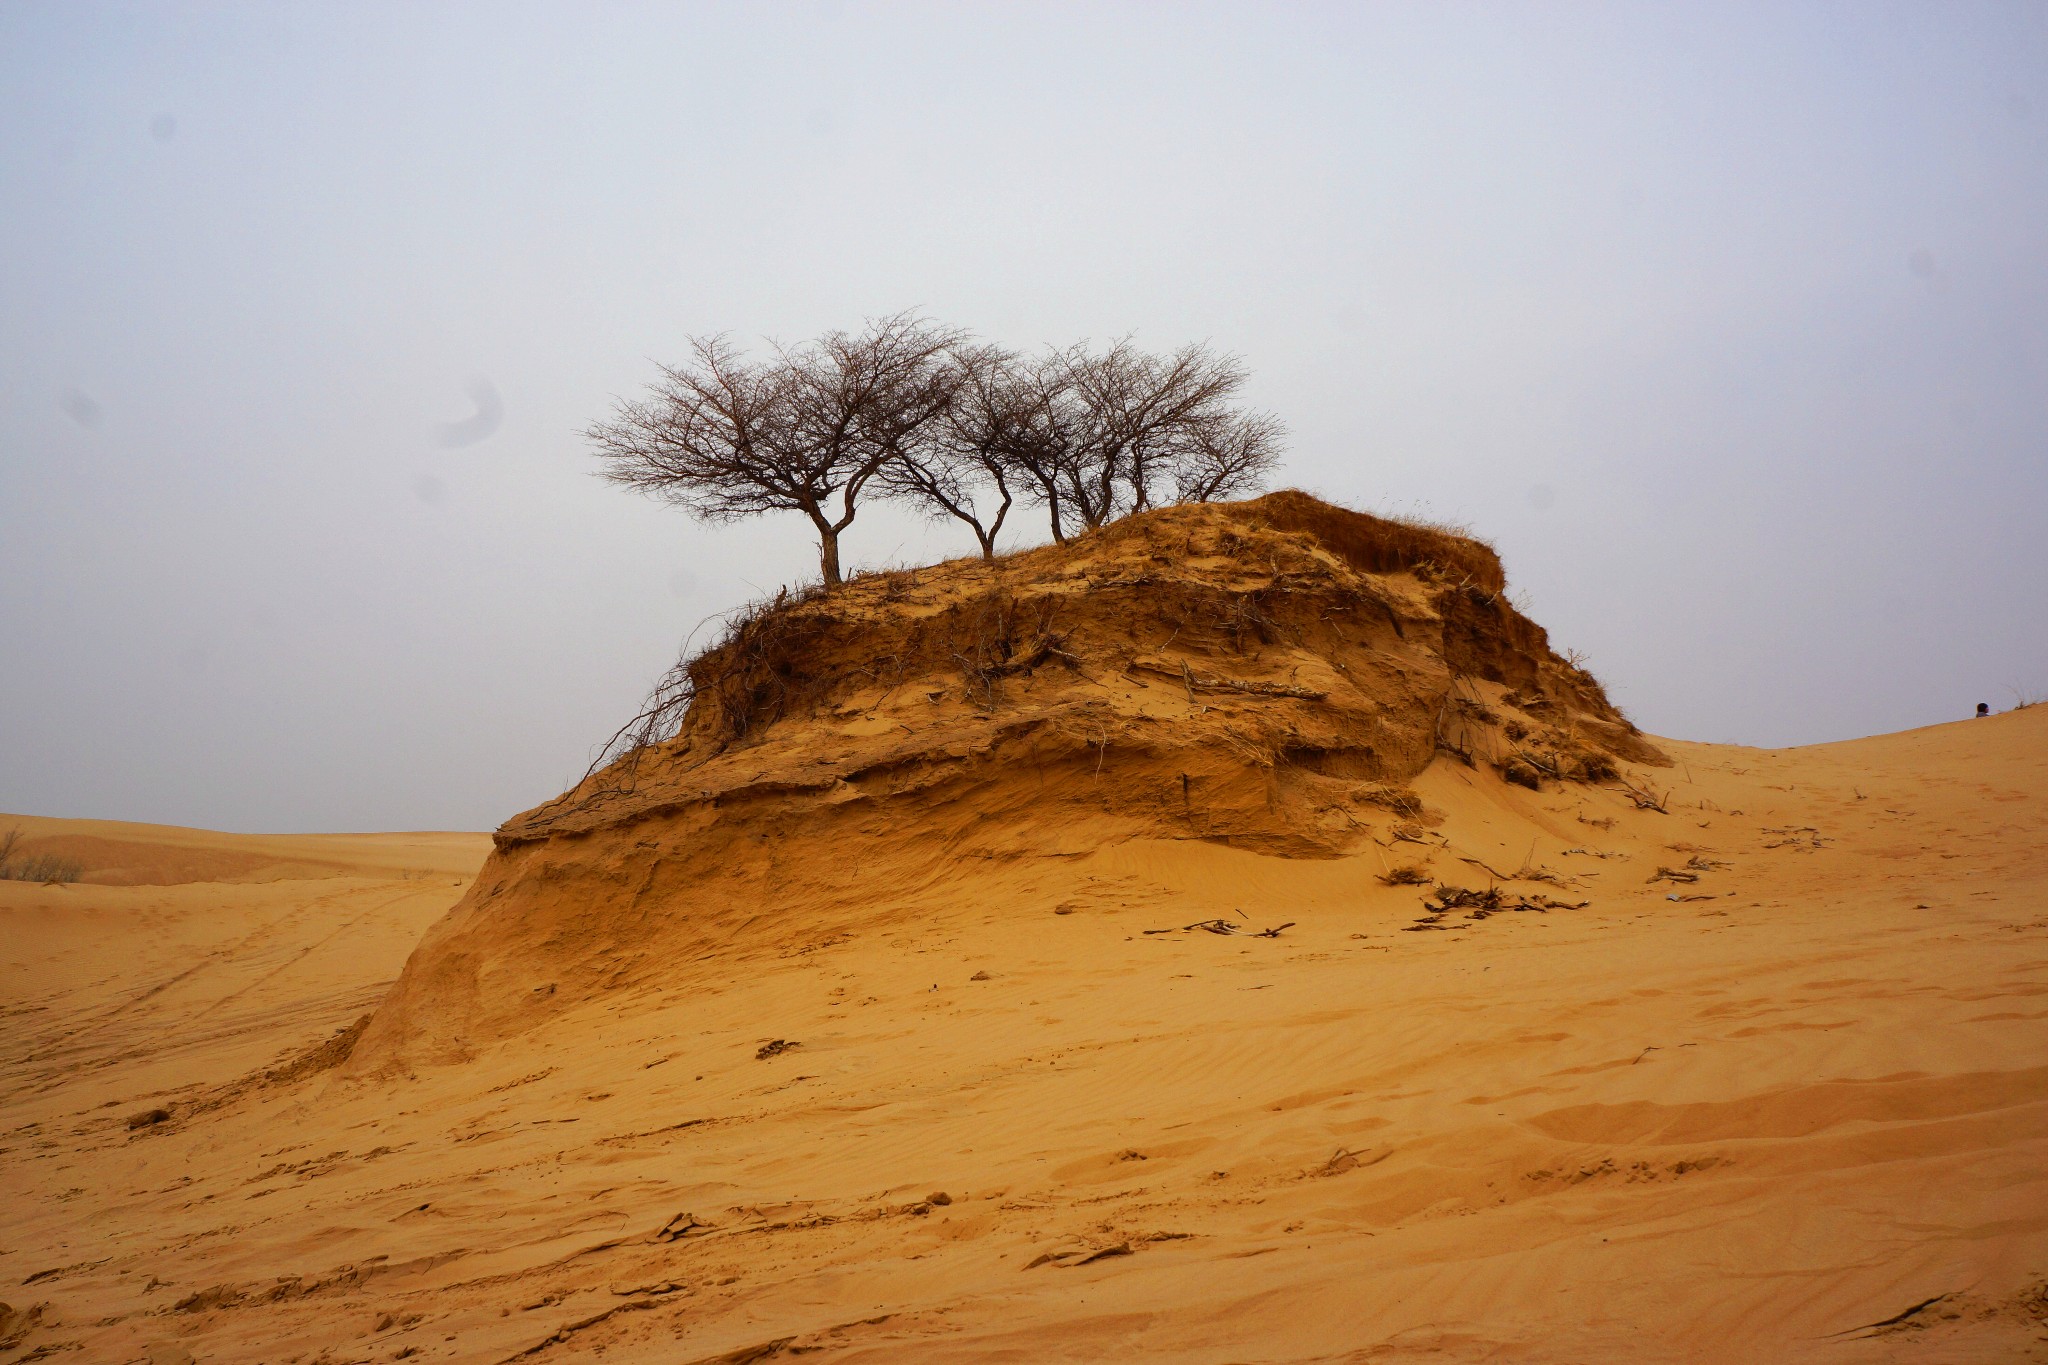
1480	904
1226	928
1644	796
1671	874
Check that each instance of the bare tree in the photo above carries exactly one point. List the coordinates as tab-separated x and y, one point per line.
1226	455
1045	449
1115	431
965	459
1140	411
724	437
919	413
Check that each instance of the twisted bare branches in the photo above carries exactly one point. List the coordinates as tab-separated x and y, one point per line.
919	413
725	437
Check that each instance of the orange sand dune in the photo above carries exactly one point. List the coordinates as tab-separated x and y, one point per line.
118	853
1267	676
1794	1109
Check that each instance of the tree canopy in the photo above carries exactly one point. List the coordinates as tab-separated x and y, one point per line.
927	415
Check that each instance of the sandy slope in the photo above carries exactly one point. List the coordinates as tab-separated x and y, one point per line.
1268	675
1736	1128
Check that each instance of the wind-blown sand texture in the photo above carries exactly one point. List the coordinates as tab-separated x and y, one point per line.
1736	1128
1762	1075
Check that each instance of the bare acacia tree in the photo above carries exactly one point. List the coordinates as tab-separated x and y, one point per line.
724	437
919	413
959	464
1115	431
1227	455
1045	449
1140	411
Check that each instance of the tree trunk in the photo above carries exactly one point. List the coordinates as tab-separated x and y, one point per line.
828	554
1052	502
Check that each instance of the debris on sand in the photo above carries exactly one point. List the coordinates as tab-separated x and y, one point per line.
1643	796
1225	927
774	1049
1480	904
1345	1159
1690	872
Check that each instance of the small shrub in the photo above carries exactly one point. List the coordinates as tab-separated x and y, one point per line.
38	867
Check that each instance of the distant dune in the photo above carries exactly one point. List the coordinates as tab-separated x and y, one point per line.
117	853
1235	937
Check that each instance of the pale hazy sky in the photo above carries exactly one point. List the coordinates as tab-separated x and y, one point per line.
1727	323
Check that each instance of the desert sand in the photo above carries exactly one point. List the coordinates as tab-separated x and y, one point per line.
895	1023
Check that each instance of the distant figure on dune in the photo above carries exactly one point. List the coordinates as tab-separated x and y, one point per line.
1983	709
